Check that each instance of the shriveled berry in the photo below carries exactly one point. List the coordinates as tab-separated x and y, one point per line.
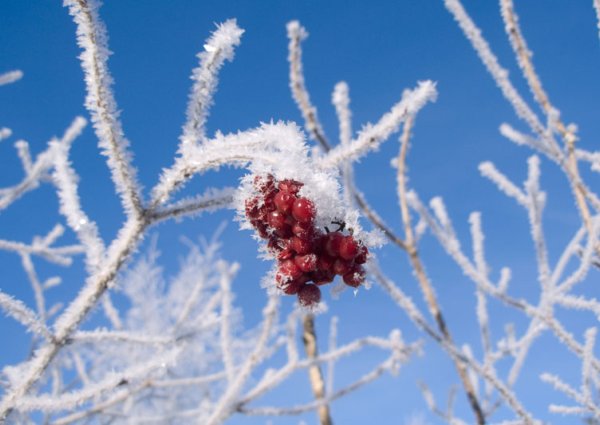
333	242
361	257
252	210
306	263
300	246
290	186
341	267
284	201
304	210
309	295
348	248
261	228
355	277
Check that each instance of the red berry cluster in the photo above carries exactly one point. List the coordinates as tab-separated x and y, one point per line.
304	253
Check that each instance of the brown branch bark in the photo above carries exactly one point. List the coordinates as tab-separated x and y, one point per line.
309	339
424	282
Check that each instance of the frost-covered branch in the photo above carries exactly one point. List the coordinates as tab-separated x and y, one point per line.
93	40
296	34
372	135
217	49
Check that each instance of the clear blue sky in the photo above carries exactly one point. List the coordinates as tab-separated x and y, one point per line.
379	48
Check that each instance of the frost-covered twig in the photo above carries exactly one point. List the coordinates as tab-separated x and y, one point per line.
66	182
296	34
372	135
37	171
217	49
22	314
100	102
419	270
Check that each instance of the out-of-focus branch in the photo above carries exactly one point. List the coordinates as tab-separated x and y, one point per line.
315	375
425	284
523	55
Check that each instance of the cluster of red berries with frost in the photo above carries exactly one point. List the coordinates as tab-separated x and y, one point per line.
307	257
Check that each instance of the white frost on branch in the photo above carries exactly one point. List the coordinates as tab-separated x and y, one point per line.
217	49
371	136
92	38
22	314
500	75
66	182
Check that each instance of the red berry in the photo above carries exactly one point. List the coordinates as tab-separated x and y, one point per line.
309	295
304	210
276	220
284	201
325	263
301	246
289	269
306	263
341	267
303	230
361	257
322	277
332	243
291	287
285	254
348	248
355	277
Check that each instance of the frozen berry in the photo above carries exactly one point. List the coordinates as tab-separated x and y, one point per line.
309	295
290	186
341	267
326	262
333	242
291	287
289	269
348	248
355	277
285	254
284	201
322	277
301	246
303	230
276	220
361	257
306	263
304	210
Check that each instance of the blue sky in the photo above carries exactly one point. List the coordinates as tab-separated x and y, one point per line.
379	48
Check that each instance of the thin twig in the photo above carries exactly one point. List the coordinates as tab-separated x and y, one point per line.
425	284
